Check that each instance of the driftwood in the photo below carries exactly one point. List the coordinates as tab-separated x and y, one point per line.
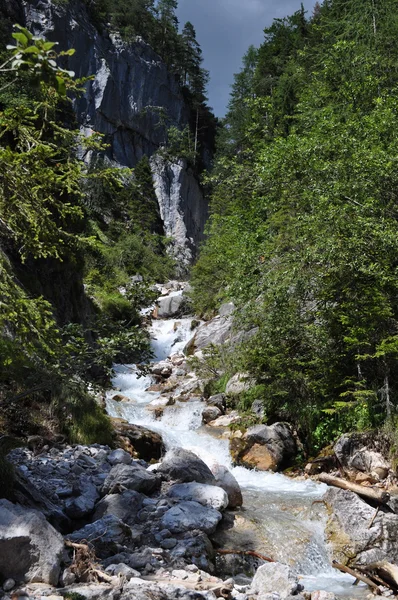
357	575
246	553
371	494
384	573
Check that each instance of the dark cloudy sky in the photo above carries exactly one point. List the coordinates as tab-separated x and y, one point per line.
225	29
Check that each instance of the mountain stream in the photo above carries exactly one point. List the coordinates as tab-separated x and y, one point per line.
288	525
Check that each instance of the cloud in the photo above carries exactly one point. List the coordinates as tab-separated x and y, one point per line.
225	29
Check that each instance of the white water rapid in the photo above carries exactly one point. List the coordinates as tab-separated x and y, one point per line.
281	510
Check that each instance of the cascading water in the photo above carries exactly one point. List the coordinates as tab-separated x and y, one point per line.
288	522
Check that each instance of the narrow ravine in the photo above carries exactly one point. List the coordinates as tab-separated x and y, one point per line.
287	521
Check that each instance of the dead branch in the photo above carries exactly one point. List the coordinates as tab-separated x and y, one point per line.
356	575
368	493
246	553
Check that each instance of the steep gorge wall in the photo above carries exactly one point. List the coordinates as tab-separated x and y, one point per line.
130	90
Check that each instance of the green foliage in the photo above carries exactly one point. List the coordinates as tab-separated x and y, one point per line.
303	233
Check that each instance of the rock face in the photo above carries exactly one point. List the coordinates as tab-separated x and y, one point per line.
348	530
275	577
266	448
182	208
124	101
30	548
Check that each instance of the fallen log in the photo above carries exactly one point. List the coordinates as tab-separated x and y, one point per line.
384	572
246	553
357	575
368	493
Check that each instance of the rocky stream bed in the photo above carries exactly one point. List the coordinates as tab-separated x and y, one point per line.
181	521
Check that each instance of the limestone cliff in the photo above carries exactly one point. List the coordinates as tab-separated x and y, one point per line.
131	99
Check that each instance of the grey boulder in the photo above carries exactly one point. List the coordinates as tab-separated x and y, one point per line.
124	506
275	577
106	535
207	495
187	516
133	477
184	466
239	383
210	413
227	482
31	550
170	306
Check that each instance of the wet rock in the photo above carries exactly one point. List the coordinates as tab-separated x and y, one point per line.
349	534
239	383
275	577
227	482
187	516
139	440
121	398
163	368
185	466
124	506
210	413
133	477
30	548
207	495
266	448
106	535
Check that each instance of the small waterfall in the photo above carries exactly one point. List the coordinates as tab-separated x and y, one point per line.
282	509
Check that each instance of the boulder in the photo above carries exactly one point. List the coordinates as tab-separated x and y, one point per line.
187	516
227	309
349	534
226	420
184	466
124	506
218	400
362	452
121	398
133	477
264	447
322	595
239	383
170	306
106	535
210	413
162	368
31	550
217	332
119	457
139	440
208	495
275	577
227	482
